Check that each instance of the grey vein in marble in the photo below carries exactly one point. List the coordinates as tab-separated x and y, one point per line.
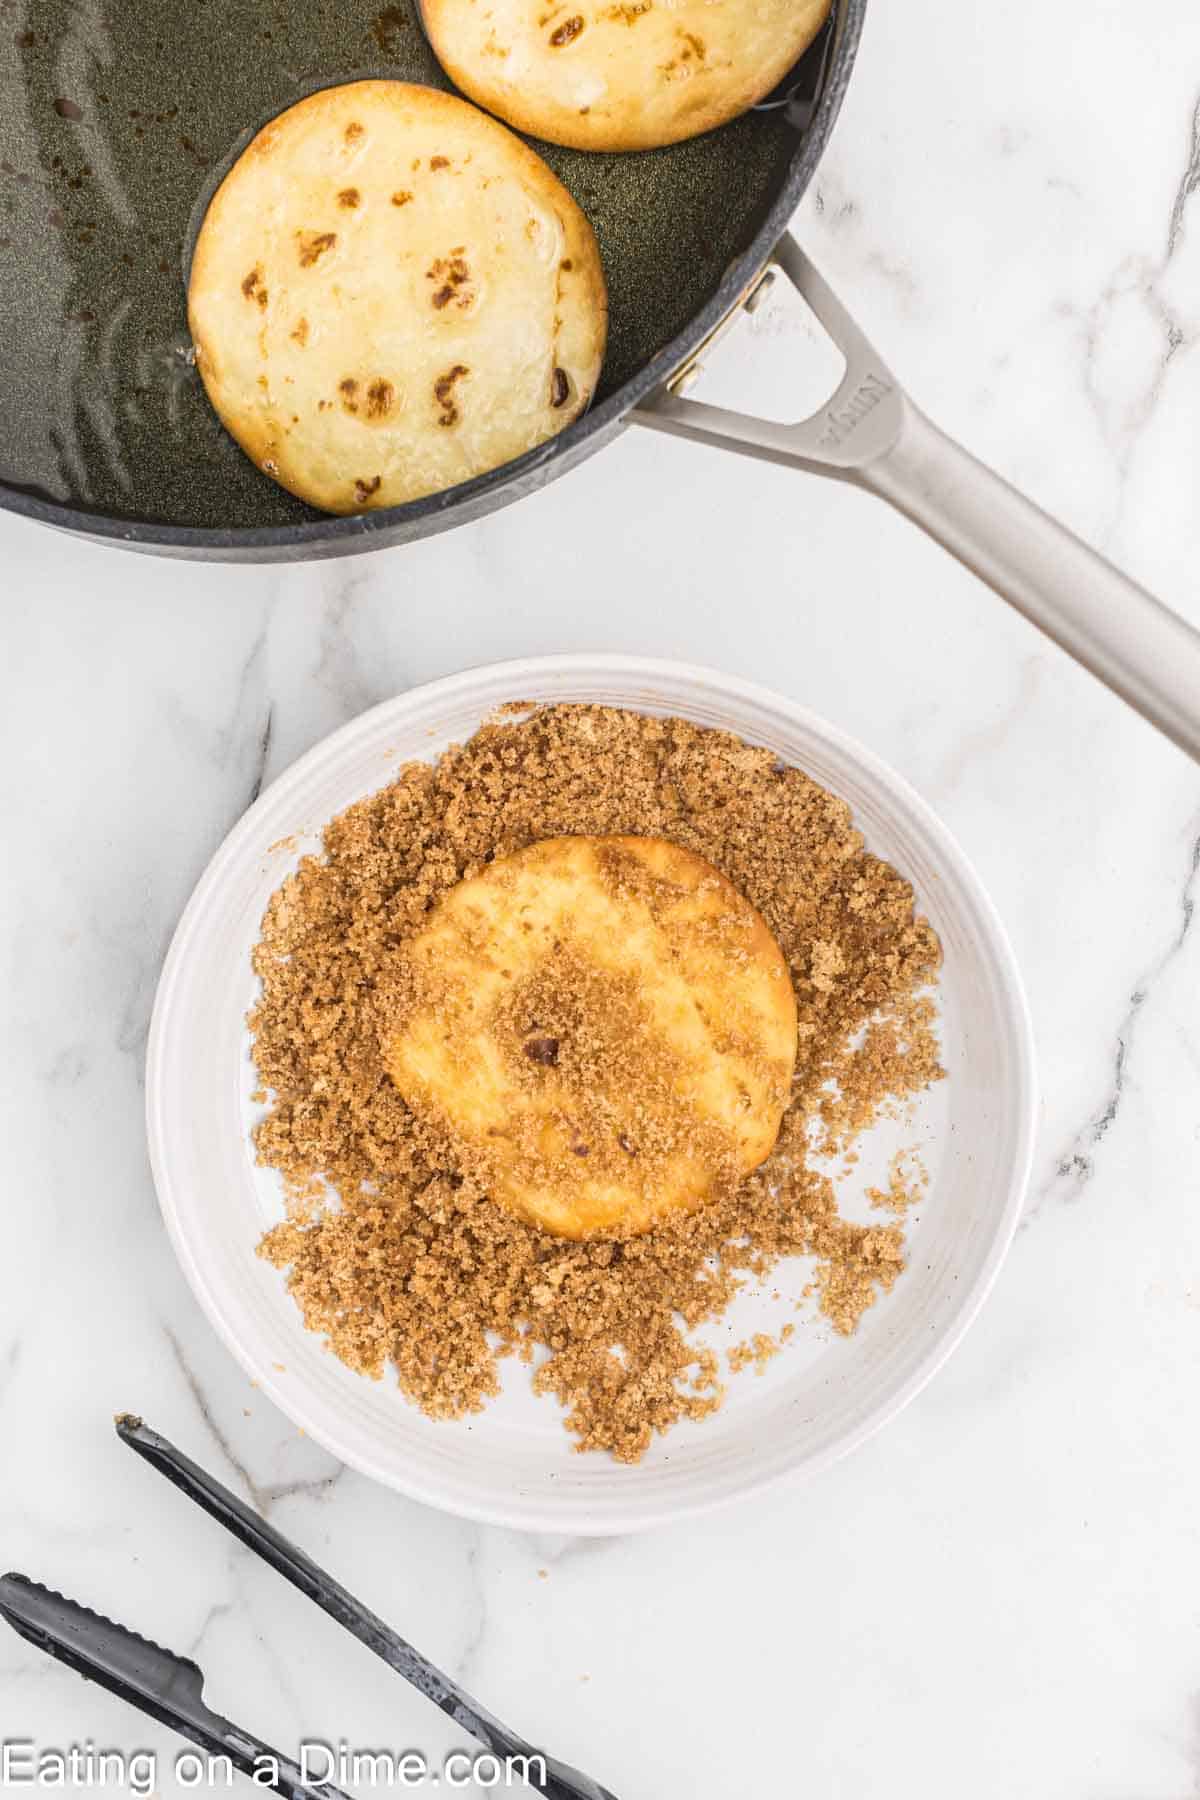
220	1609
1076	1165
992	735
241	743
1188	185
262	1498
1146	277
264	756
340	669
467	1659
557	1552
9	1364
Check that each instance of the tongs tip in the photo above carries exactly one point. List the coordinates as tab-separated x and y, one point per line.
133	1430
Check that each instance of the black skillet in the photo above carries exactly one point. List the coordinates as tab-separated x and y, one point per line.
119	117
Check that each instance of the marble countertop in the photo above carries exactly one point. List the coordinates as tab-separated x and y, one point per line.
1000	1594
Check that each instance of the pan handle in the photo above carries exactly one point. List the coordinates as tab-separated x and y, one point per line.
872	435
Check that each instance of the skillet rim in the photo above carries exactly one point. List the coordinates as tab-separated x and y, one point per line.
346	536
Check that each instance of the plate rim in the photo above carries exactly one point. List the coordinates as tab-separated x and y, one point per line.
586	1518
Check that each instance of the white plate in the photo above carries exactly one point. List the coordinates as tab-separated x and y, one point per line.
513	1464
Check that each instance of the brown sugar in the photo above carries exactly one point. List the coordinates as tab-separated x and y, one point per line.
908	1183
758	1350
409	1264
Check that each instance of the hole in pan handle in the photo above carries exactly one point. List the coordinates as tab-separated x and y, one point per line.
871	434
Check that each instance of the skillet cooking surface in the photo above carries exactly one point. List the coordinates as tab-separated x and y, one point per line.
118	119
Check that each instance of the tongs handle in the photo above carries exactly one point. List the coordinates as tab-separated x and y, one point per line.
561	1782
159	1683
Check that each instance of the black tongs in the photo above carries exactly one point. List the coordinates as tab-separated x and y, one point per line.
169	1687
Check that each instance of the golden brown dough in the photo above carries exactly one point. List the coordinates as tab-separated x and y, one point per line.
391	294
626	76
604	1024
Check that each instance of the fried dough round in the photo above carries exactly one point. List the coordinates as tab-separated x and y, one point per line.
605	1027
629	76
391	294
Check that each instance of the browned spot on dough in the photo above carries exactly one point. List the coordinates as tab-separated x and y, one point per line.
439	162
349	197
693	46
443	390
380	397
300	334
401	197
629	14
364	489
348	389
560	388
354	131
253	289
324	405
453	274
568	30
566	263
312	246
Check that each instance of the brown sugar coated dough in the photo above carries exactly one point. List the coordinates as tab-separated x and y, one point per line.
391	294
603	1023
415	1269
627	76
